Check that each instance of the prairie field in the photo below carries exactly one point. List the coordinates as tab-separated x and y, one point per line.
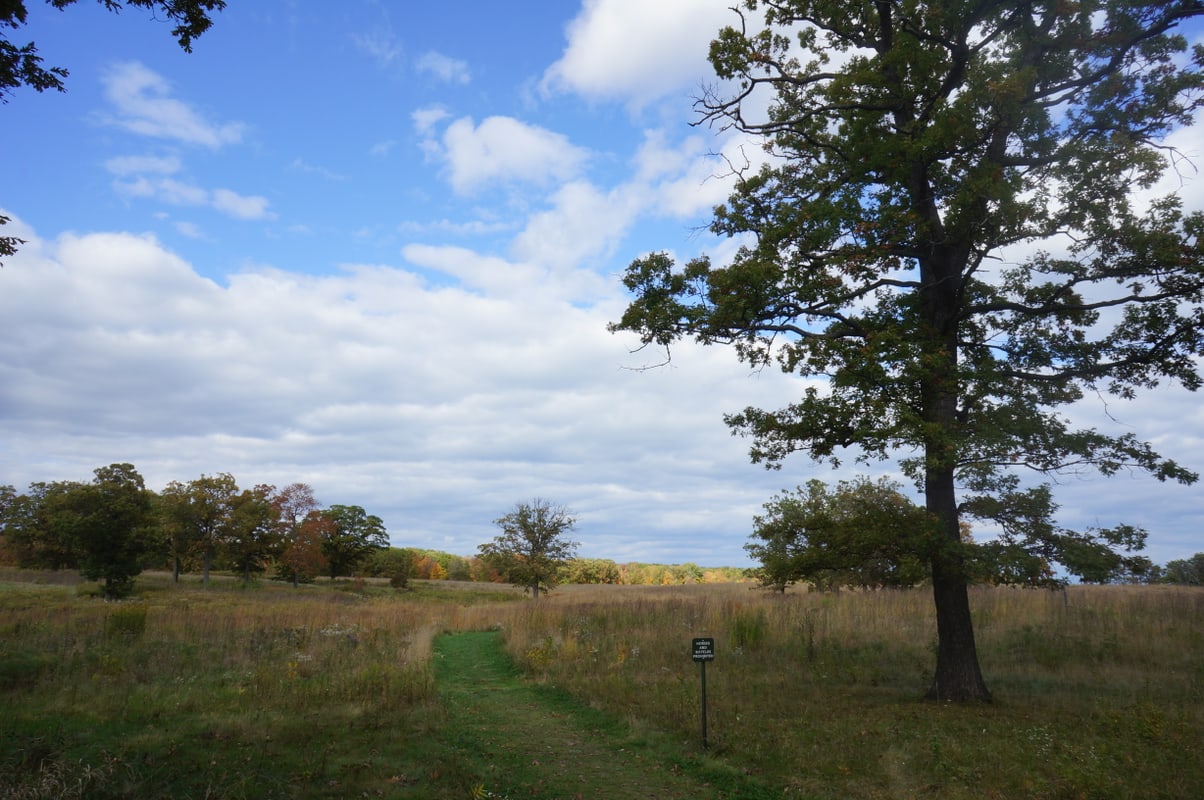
266	691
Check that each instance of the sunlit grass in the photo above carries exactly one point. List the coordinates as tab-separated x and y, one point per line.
224	691
327	691
1098	689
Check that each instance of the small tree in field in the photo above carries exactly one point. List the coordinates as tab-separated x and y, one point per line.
862	533
533	546
1186	571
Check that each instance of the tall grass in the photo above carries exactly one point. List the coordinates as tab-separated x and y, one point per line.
269	691
225	692
1098	690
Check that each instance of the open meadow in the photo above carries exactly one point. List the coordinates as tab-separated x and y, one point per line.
266	691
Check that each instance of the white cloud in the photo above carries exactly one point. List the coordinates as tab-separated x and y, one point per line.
474	227
637	51
445	68
583	223
505	150
180	193
189	229
487	274
434	407
241	206
167	190
142	104
425	119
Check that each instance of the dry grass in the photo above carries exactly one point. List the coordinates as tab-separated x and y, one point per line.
327	691
1098	689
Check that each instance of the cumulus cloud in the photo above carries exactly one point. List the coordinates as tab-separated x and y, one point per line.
583	223
437	405
142	103
504	150
635	51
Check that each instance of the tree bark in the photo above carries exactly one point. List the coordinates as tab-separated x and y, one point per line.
958	677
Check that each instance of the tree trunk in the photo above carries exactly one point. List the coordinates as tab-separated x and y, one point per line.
208	560
958	677
535	590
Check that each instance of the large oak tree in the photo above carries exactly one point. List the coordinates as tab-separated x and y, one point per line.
952	228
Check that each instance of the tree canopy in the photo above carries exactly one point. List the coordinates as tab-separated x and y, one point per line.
348	535
20	65
533	545
954	228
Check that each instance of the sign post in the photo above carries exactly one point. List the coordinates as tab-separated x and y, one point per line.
704	651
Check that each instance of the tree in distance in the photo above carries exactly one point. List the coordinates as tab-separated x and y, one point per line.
533	545
113	531
863	533
1185	571
953	226
102	528
298	521
199	516
32	529
348	535
255	532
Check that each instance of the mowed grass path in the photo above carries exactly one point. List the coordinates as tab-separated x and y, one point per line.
532	741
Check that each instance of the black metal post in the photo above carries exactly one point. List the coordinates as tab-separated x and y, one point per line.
704	704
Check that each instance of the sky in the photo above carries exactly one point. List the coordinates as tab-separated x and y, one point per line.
374	247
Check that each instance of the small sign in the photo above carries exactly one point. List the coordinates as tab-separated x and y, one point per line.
704	649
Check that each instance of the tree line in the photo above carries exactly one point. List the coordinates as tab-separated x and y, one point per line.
113	527
427	564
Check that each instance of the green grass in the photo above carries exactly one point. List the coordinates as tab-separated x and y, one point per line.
512	738
331	691
1098	694
214	693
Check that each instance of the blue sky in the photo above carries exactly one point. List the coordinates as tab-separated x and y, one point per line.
374	247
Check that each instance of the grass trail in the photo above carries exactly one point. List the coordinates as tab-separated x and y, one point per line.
526	740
